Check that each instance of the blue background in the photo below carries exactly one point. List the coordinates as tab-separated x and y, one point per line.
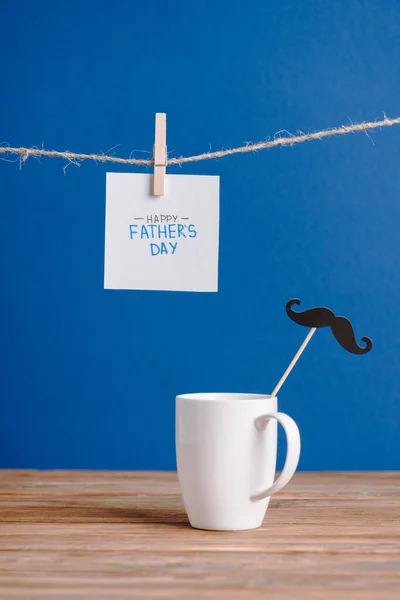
89	376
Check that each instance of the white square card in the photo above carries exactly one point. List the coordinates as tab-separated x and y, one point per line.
165	242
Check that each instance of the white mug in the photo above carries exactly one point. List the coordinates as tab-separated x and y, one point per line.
226	448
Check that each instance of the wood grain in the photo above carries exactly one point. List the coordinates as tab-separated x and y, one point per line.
114	535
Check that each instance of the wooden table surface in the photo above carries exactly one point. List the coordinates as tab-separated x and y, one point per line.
125	535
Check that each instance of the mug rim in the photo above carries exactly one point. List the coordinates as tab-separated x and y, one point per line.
225	397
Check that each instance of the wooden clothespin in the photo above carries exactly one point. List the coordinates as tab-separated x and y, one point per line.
160	154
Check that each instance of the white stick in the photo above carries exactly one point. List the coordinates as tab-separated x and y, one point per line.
294	361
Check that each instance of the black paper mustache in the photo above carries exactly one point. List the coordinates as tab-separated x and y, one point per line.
341	327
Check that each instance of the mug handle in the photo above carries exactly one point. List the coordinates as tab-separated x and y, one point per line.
292	455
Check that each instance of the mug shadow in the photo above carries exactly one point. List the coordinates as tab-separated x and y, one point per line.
62	512
170	517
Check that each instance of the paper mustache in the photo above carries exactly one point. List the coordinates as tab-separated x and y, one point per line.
341	327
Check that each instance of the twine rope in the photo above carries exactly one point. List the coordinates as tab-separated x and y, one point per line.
286	140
